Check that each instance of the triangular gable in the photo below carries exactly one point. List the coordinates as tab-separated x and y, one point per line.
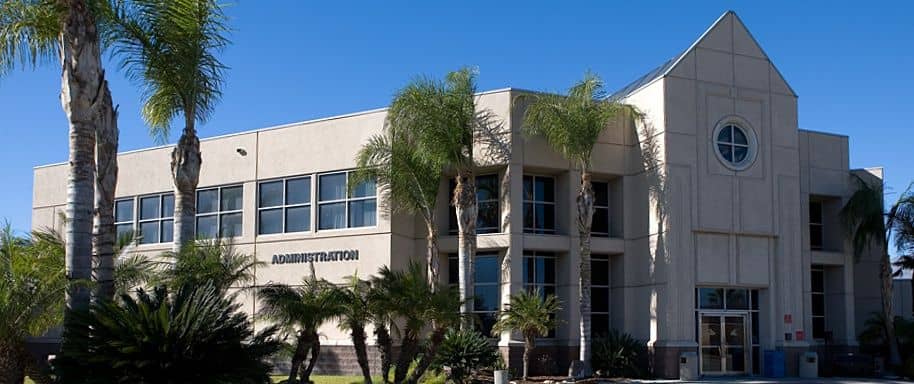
728	33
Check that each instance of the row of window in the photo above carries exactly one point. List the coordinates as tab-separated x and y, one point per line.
539	275
283	206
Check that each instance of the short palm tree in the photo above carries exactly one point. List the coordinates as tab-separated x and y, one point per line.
34	32
571	124
410	301
872	228
440	117
194	335
170	48
407	180
215	262
32	290
300	311
532	315
355	315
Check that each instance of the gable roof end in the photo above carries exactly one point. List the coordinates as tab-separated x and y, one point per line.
725	21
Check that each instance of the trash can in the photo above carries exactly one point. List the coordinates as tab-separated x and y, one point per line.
774	364
688	366
809	365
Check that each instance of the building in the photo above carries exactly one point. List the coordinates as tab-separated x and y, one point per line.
716	214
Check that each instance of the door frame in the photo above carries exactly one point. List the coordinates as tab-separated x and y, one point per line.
747	348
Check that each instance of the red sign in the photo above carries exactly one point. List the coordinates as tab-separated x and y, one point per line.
788	319
800	335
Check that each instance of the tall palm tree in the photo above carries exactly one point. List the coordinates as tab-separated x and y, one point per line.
407	180
33	32
532	315
170	48
872	228
441	117
300	311
33	285
571	124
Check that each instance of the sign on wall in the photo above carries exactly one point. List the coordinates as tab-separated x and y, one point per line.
316	257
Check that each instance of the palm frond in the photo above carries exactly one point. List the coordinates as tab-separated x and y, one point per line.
29	33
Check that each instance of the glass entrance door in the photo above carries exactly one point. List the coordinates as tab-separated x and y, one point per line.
723	343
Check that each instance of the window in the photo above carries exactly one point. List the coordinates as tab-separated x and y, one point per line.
341	207
817	280
539	274
156	219
599	295
600	226
816	229
486	287
487	197
539	204
149	218
123	217
284	206
734	145
219	212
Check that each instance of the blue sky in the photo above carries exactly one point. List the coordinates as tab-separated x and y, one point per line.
296	60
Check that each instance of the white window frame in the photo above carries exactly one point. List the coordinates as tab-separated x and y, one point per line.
346	201
218	213
751	143
531	286
161	219
534	202
285	206
133	214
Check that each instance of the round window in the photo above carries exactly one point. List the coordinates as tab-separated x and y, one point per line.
735	145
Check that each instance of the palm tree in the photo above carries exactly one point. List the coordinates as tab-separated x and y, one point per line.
872	228
410	301
354	317
194	335
33	32
532	315
441	117
300	311
33	285
571	125
407	180
214	262
170	48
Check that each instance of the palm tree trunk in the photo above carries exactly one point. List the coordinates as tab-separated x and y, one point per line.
467	211
315	353
431	253
81	79
408	349
428	357
298	357
888	312
185	171
585	201
382	336
105	236
361	351
528	350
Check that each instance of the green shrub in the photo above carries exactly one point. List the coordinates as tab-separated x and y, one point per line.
196	335
464	352
618	355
